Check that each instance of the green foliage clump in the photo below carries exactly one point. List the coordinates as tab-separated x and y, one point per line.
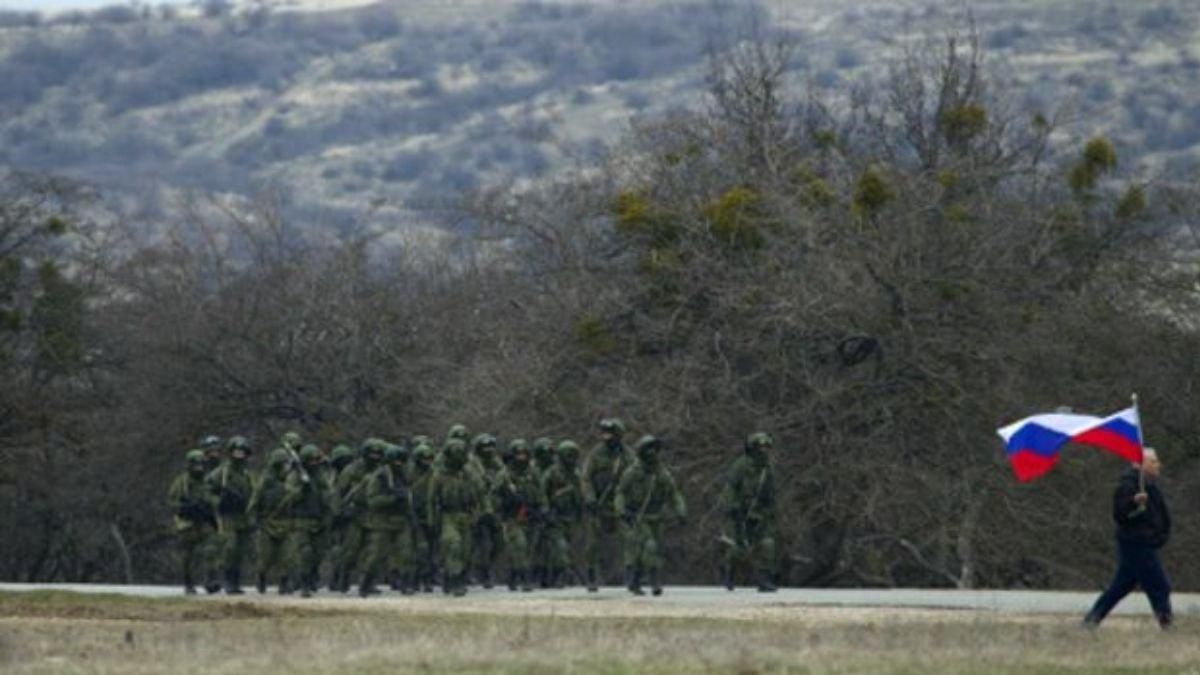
733	218
814	192
1099	157
871	192
594	335
637	216
1132	203
959	125
947	178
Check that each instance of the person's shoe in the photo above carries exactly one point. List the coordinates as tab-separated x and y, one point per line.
233	584
524	581
262	584
512	580
485	578
1089	623
305	593
765	584
460	586
655	586
633	581
1164	621
592	585
189	590
212	587
285	585
727	578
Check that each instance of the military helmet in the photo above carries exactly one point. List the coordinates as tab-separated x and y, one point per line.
310	454
210	442
759	439
278	457
455	453
424	452
482	441
238	443
194	456
458	431
613	426
341	453
374	447
421	439
395	453
647	444
291	439
511	449
568	451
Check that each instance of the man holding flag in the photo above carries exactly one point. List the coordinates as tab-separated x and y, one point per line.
1143	527
1139	510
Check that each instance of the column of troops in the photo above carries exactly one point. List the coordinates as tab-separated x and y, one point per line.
413	515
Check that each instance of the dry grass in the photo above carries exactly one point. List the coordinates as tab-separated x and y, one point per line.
63	633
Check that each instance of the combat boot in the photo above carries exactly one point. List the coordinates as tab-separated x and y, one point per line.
408	584
485	577
262	584
460	586
592	586
285	585
633	580
555	578
366	587
512	580
655	586
189	587
765	583
233	585
727	577
525	581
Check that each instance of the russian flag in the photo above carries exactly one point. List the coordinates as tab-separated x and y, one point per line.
1032	444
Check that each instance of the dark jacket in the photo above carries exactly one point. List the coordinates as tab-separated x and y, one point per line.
1150	527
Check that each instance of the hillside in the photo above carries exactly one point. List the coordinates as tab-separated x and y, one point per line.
392	108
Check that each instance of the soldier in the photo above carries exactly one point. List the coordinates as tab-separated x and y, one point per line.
389	523
605	463
230	488
351	490
426	535
643	494
269	510
562	490
520	502
454	501
748	500
194	520
309	501
211	447
539	545
486	536
339	458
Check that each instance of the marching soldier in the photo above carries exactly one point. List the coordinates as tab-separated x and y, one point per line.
309	502
454	501
268	509
487	539
603	468
748	500
230	488
520	501
389	523
351	489
194	521
425	537
644	493
562	490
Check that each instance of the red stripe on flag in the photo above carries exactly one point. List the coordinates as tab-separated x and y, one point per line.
1029	465
1112	442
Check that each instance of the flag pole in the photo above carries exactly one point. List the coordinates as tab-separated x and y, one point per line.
1141	446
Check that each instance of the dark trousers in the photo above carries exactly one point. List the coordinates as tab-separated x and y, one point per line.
1137	565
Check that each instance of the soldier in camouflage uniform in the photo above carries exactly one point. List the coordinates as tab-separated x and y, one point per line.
426	535
194	521
351	489
211	447
562	490
309	502
519	498
645	491
605	463
267	508
390	523
486	537
454	501
230	488
401	561
748	500
539	544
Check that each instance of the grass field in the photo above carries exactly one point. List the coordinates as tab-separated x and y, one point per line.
57	632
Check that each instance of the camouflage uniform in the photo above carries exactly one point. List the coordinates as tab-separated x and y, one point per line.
309	502
562	490
643	494
389	523
230	488
268	509
539	543
748	500
426	535
603	468
351	489
194	521
454	501
486	537
519	498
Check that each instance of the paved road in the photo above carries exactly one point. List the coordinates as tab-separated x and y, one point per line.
699	597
